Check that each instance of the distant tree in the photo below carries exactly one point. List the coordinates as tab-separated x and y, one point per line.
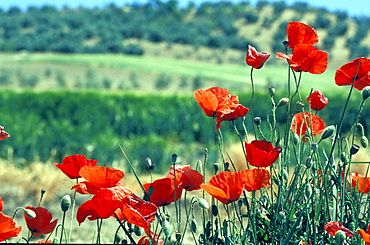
322	21
163	81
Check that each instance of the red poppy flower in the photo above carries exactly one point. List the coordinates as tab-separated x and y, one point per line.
255	179
1	204
102	205
240	111
216	101
306	120
261	153
365	235
187	178
306	58
71	165
225	186
42	223
162	191
360	182
300	33
333	226
44	241
3	134
317	100
357	71
7	227
254	58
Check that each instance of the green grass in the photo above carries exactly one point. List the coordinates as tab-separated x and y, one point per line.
227	74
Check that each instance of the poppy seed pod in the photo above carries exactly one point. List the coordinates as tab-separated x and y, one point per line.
257	121
354	149
65	203
328	132
366	93
214	210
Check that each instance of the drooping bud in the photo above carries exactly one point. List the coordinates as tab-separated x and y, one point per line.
360	128
30	213
299	105
194	226
149	163
283	102
328	132
364	141
203	203
56	240
366	93
65	203
174	158
216	167
295	138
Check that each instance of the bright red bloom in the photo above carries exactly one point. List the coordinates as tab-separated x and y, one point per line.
357	71
71	165
187	178
306	120
42	223
162	191
3	134
225	186
261	153
1	204
365	235
333	226
240	111
44	241
317	100
255	179
7	227
306	58
360	182
254	58
300	33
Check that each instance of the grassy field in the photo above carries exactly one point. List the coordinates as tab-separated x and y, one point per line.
139	73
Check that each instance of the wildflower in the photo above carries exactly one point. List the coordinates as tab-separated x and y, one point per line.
365	235
333	226
8	227
306	58
306	120
255	179
254	58
225	186
317	100
359	182
162	191
261	153
71	165
357	71
300	33
217	102
150	238
3	134
187	178
42	223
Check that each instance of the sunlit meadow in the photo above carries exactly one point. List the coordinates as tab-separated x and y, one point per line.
295	183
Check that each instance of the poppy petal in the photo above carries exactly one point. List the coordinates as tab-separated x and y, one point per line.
300	33
103	177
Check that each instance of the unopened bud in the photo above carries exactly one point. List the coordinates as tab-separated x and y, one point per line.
314	146
178	236
282	102
214	210
340	236
149	163
354	149
285	44
174	158
295	138
364	141
216	167
343	157
366	93
167	228
30	213
203	203
118	238
137	230
194	226
272	91
56	240
65	203
328	132
299	105
257	121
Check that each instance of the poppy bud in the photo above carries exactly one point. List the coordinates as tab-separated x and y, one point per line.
178	236
118	238
366	93
295	138
56	240
257	121
364	141
194	226
216	167
226	166
308	190
167	228
214	210
285	44
340	236
65	203
328	132
272	91
283	102
285	174
174	158
43	191
30	213
299	105
203	203
149	163
354	149
308	162
137	230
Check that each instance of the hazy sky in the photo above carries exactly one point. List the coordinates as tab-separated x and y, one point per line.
353	7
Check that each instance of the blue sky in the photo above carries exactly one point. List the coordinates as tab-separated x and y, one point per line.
353	7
